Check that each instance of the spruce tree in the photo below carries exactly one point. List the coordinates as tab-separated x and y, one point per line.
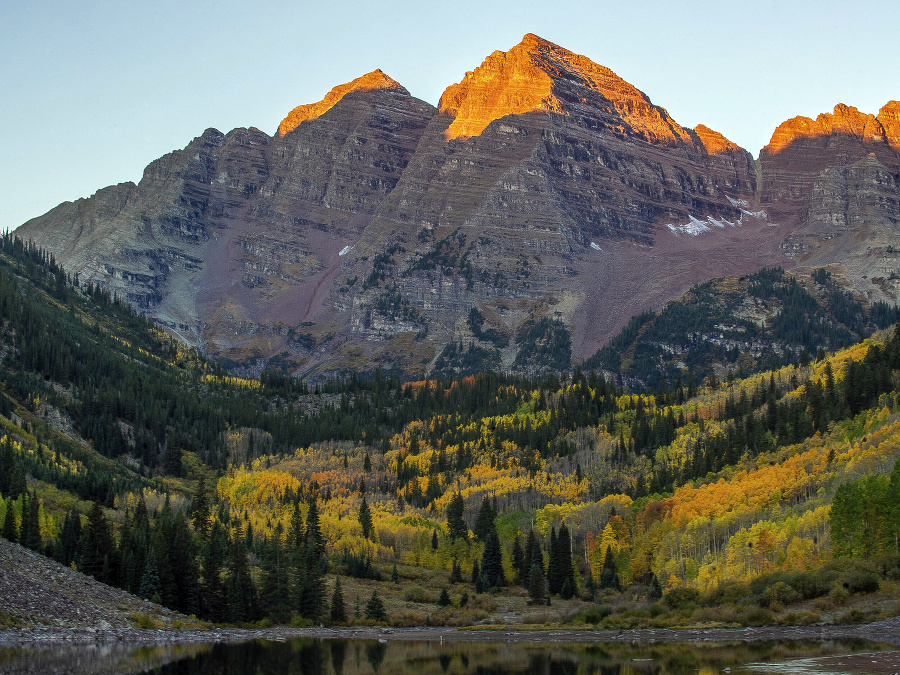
150	588
375	609
365	518
554	571
338	610
492	562
434	540
537	585
484	521
528	557
518	558
200	508
609	577
10	526
456	525
395	575
444	599
476	572
456	572
213	595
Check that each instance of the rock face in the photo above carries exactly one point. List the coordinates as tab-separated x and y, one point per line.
542	187
835	183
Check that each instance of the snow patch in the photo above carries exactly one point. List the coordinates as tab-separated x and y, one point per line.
742	203
344	251
595	247
695	227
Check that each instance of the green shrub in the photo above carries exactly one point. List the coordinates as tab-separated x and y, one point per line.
780	593
759	617
681	598
862	582
417	594
728	593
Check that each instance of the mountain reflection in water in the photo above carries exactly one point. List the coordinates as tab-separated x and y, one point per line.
368	657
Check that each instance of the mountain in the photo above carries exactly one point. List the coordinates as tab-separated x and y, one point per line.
545	197
760	500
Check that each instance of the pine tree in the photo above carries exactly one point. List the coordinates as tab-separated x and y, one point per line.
567	591
456	572
476	572
365	518
518	558
609	577
444	599
492	562
375	610
10	526
213	597
456	525
240	588
338	610
537	585
554	572
528	557
274	588
367	463
150	588
484	521
395	575
434	540
200	508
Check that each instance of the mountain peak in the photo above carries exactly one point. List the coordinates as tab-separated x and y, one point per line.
538	75
845	120
370	81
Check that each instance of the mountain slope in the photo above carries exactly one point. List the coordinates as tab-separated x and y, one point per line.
543	187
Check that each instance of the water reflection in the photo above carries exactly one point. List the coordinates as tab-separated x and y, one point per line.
365	657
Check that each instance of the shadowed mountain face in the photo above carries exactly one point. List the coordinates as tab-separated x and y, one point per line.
545	193
835	183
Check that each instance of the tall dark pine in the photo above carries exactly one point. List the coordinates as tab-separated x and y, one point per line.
609	577
554	576
492	562
365	518
531	548
338	609
456	525
484	521
213	594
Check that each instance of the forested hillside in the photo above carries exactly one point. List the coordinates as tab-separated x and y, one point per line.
146	466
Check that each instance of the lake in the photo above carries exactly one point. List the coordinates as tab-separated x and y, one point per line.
401	657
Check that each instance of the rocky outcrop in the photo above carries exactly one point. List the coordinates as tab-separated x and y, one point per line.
310	111
544	185
834	182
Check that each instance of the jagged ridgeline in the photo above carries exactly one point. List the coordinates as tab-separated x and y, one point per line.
740	324
150	468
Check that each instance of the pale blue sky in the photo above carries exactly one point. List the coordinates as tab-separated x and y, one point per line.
92	91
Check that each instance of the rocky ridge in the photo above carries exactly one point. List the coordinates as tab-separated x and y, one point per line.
543	186
36	591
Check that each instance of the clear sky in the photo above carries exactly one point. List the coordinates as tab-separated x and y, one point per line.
92	91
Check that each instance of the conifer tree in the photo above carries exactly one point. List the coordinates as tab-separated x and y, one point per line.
274	587
528	558
456	525
10	526
200	508
213	595
609	577
375	609
537	585
476	572
395	575
338	610
240	590
484	521
518	558
492	562
434	540
150	588
444	599
456	572
365	518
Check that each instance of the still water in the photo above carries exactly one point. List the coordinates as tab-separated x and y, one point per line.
375	657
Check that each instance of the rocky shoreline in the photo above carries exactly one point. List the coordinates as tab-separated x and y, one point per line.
884	631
